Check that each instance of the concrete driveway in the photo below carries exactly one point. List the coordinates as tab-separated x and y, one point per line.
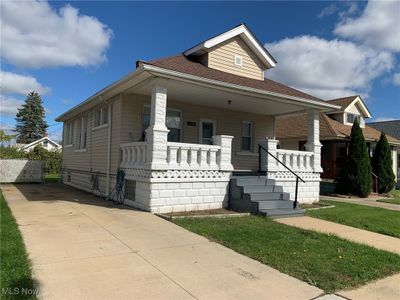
83	247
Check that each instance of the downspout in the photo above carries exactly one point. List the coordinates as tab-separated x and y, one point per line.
109	149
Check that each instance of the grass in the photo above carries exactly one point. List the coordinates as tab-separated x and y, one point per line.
394	198
52	178
16	276
325	261
374	219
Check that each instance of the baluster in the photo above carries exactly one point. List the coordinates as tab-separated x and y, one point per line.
307	161
183	161
213	158
173	155
193	157
203	157
123	155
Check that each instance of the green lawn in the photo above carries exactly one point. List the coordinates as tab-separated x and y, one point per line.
325	261
395	198
16	276
374	219
52	178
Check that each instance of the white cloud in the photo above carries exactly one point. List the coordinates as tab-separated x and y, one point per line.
383	119
396	79
35	35
328	11
12	83
327	69
9	105
378	26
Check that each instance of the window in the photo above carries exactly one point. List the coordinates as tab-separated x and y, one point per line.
247	136
173	122
101	116
82	133
341	150
352	117
45	143
69	133
238	60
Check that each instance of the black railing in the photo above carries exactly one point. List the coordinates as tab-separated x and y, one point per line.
290	170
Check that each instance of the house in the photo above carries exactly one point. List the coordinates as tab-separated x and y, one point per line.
45	142
335	131
392	128
182	127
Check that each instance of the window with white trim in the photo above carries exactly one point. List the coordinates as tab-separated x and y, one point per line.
352	117
238	60
173	122
69	133
101	116
82	133
247	136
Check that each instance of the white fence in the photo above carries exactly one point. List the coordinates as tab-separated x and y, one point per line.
21	170
295	160
134	154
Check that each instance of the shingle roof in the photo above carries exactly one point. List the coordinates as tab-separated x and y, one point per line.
296	127
343	102
389	127
181	63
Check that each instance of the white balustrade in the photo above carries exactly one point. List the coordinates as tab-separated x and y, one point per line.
185	156
133	154
295	160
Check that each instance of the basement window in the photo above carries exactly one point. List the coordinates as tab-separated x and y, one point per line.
238	60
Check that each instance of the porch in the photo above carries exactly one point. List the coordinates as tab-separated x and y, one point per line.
184	161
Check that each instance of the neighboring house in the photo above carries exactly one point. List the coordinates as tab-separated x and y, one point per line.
392	128
45	142
181	126
335	132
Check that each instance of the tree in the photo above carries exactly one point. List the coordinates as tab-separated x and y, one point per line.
382	165
356	176
5	138
31	124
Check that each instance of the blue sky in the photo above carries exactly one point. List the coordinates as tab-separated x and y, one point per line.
328	49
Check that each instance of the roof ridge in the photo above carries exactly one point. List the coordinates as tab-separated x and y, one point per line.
328	121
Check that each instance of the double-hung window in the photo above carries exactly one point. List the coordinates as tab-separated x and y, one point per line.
173	122
69	133
352	117
247	136
101	116
82	133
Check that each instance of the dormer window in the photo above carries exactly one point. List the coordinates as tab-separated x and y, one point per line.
238	60
352	117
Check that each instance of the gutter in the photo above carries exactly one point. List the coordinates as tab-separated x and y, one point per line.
166	72
109	148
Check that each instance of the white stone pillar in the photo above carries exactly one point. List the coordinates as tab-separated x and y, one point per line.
157	133
268	163
313	144
224	160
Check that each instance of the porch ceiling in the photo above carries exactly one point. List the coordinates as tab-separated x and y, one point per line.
222	98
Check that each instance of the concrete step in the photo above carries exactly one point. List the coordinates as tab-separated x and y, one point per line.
249	189
275	204
267	196
253	180
275	213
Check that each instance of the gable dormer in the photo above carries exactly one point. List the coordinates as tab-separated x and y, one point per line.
352	108
236	51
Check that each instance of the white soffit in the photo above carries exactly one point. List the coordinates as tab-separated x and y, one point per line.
245	34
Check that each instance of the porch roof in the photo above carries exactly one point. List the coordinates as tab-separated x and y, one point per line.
296	127
183	64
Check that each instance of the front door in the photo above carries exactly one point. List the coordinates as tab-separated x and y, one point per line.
207	130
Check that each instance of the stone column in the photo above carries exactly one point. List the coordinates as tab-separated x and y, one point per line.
224	160
313	144
157	133
268	163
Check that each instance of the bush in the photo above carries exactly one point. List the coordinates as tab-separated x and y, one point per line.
356	175
382	165
51	159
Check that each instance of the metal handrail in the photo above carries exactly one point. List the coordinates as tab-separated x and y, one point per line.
290	170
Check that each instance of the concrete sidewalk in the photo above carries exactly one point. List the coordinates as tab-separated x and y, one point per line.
364	201
82	247
373	239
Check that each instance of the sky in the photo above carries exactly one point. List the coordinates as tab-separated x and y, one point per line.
67	51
